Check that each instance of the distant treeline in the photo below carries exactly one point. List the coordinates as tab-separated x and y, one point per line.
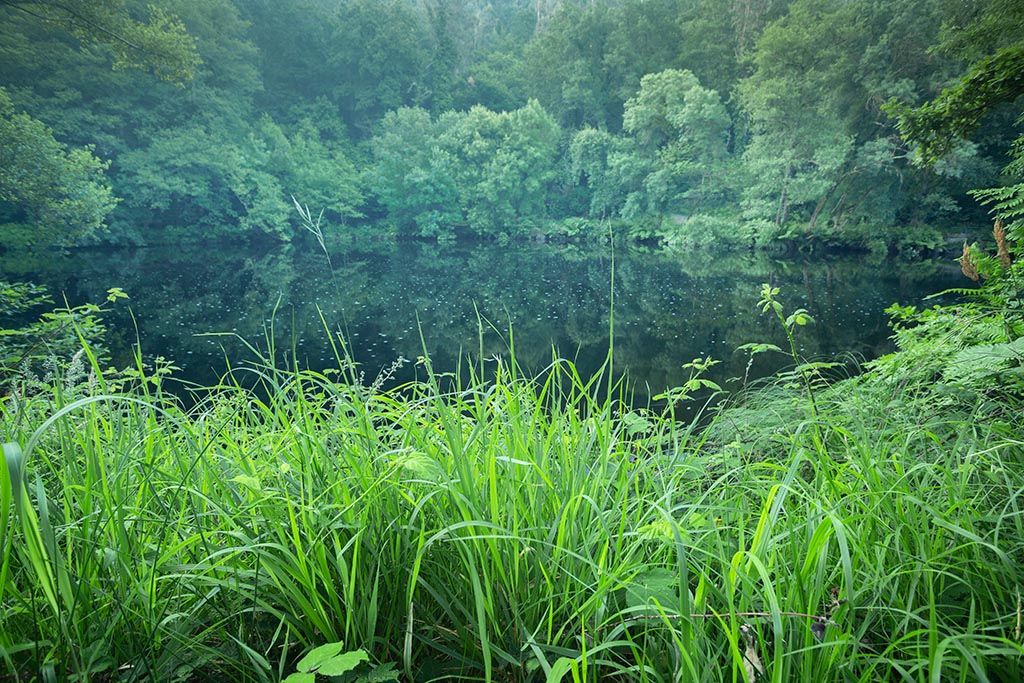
679	121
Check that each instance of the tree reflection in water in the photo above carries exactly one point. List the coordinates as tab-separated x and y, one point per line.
669	307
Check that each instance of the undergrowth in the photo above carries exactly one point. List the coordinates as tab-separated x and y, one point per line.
514	529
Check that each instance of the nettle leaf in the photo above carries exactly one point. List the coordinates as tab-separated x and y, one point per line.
421	465
698	383
799	317
343	663
656	585
380	674
756	348
319	655
635	423
249	482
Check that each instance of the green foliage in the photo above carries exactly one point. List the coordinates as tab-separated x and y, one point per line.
381	53
513	529
51	347
683	128
609	166
161	44
1007	204
307	162
564	64
955	114
695	383
492	171
797	152
590	57
768	114
823	155
977	345
507	167
413	175
705	231
57	195
331	660
987	35
671	158
193	177
798	318
207	178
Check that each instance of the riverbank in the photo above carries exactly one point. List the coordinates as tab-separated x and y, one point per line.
520	529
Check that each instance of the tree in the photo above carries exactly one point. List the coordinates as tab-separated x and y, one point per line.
490	170
936	126
211	184
821	151
413	176
506	162
799	143
565	64
308	164
671	156
992	35
56	57
381	55
161	44
52	194
644	39
684	128
609	166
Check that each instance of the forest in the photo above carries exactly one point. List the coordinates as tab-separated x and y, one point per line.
289	522
725	123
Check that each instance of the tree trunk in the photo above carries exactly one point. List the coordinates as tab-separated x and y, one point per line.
783	210
817	212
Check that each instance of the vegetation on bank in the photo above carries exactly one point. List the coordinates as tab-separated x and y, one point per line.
523	528
681	121
495	526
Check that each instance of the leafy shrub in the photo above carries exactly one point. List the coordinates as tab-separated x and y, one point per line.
51	346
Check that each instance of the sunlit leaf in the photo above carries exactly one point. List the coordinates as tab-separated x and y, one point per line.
319	655
339	664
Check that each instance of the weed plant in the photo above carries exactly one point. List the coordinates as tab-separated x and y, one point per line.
513	529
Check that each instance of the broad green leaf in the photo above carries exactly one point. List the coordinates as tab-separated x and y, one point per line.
636	423
251	483
562	666
755	348
654	585
339	664
319	655
379	674
421	465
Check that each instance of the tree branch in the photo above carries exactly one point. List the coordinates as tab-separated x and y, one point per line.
72	16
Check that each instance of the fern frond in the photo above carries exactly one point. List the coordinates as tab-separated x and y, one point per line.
959	291
1006	202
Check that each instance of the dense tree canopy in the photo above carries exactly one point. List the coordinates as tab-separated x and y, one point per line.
62	192
992	38
507	119
161	43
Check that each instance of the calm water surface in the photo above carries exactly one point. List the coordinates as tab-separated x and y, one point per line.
668	308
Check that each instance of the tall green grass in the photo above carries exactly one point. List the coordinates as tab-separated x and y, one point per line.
507	529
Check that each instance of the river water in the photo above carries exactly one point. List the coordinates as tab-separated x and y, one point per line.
391	301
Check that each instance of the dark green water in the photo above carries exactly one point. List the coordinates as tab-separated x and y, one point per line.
669	308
